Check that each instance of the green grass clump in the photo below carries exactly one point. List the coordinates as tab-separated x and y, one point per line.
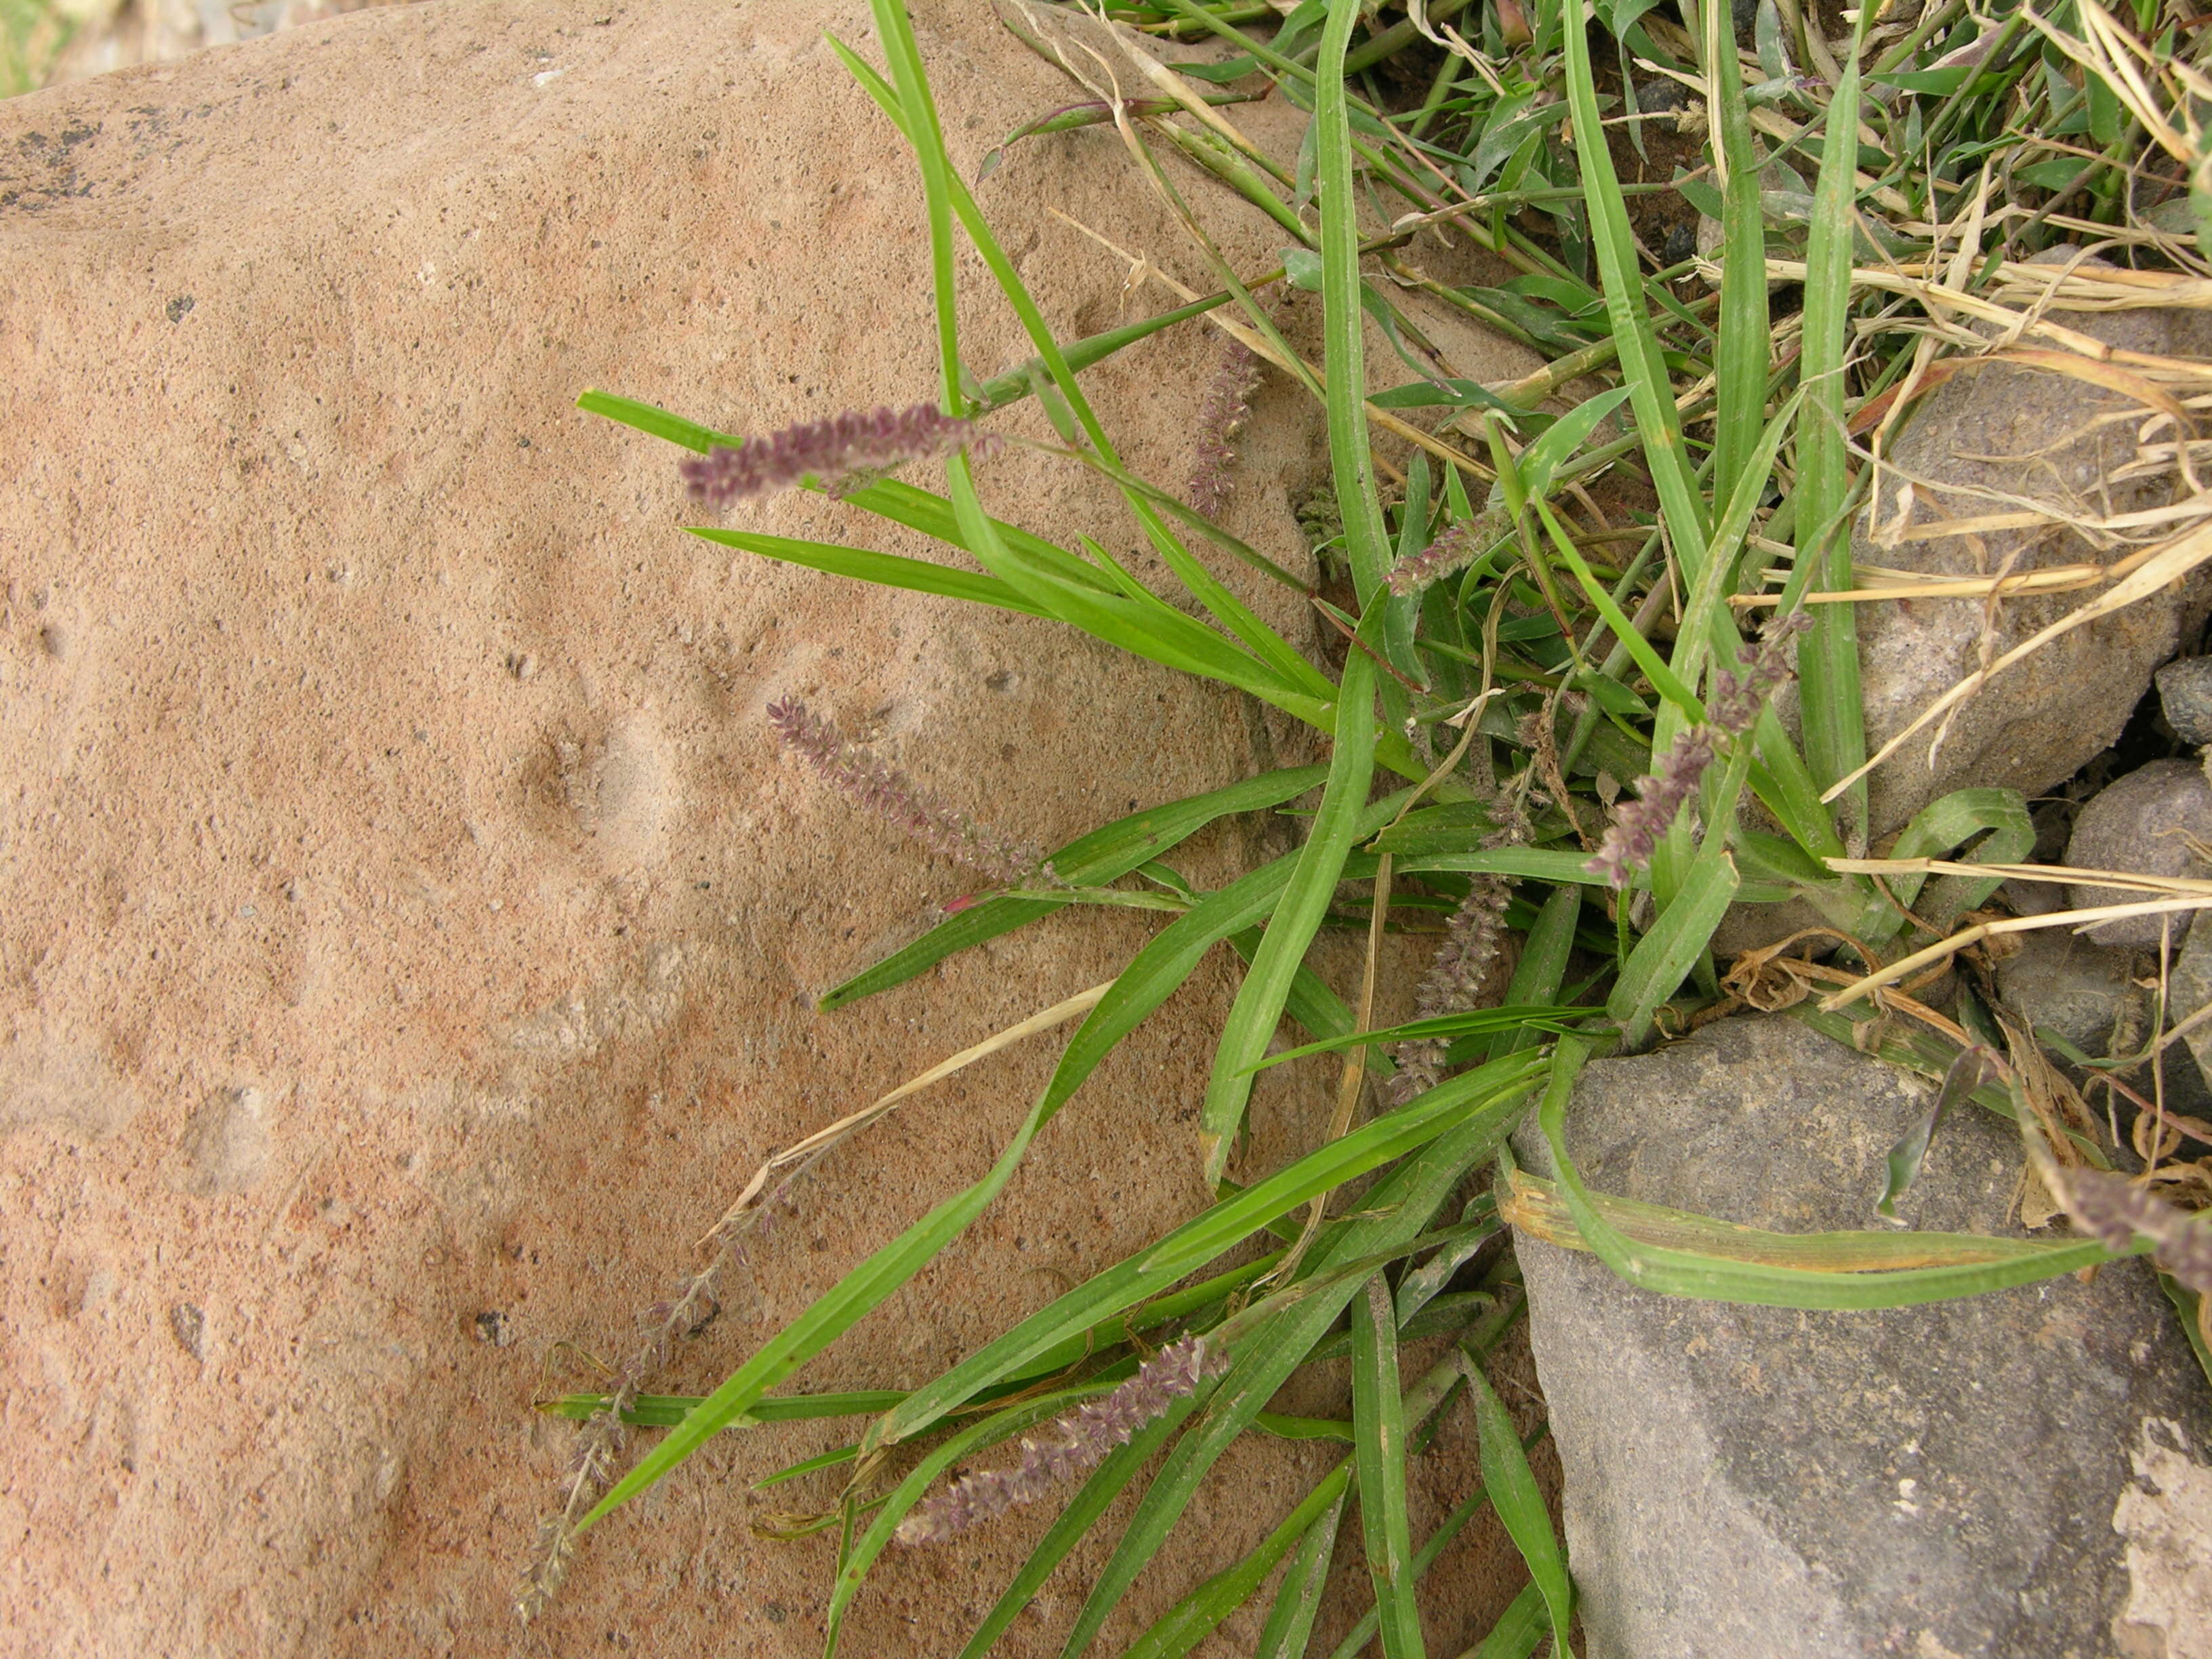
1574	556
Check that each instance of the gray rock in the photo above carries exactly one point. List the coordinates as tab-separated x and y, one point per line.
2141	823
2058	980
2189	988
1979	443
1744	1483
2184	696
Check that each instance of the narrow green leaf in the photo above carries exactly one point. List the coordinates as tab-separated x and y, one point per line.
1828	657
1344	360
1539	1017
1519	1503
1379	1442
1518	1630
1474	1096
1192	1618
1259	1000
883	570
1106	1483
1092	860
1394	1210
1297	1598
1706	1277
1663	959
1651	389
1543	965
1746	346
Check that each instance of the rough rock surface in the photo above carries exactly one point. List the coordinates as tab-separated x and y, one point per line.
2184	697
2141	824
2086	992
1976	446
408	927
1956	1479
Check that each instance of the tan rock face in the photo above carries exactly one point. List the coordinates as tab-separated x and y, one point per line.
408	927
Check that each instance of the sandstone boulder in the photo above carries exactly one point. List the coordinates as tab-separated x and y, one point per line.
408	927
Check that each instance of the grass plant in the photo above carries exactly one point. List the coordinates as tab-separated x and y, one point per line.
1551	581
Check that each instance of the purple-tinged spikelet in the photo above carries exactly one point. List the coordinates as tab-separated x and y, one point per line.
1732	710
1638	826
1067	1447
1220	418
1738	699
1454	981
1458	547
2116	1210
885	790
845	452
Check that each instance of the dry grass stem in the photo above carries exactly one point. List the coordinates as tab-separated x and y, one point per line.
797	1159
2166	566
1945	948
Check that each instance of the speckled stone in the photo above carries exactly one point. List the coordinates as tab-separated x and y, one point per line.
1958	1479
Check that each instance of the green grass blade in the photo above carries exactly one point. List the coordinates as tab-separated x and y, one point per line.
1541	1016
827	1318
933	515
926	139
883	570
1262	640
1393	1212
1681	504
1543	965
1999	817
655	422
1663	679
1710	1277
1252	1019
1366	541
861	1555
1297	1598
1379	1430
1515	1495
1105	1484
1149	979
1524	1623
1710	633
1828	657
1192	1618
1091	860
1663	959
1746	345
1474	1096
664	1411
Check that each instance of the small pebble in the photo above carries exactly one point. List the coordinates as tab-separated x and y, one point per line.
2141	824
189	1326
2185	694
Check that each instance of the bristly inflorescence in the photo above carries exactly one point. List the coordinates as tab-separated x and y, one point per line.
600	1436
845	452
1220	418
1458	547
885	790
1460	972
2117	1211
1069	1446
1734	709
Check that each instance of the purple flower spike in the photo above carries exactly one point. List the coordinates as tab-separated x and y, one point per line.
1638	826
845	454
886	791
1069	1446
1732	710
1458	547
1220	418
